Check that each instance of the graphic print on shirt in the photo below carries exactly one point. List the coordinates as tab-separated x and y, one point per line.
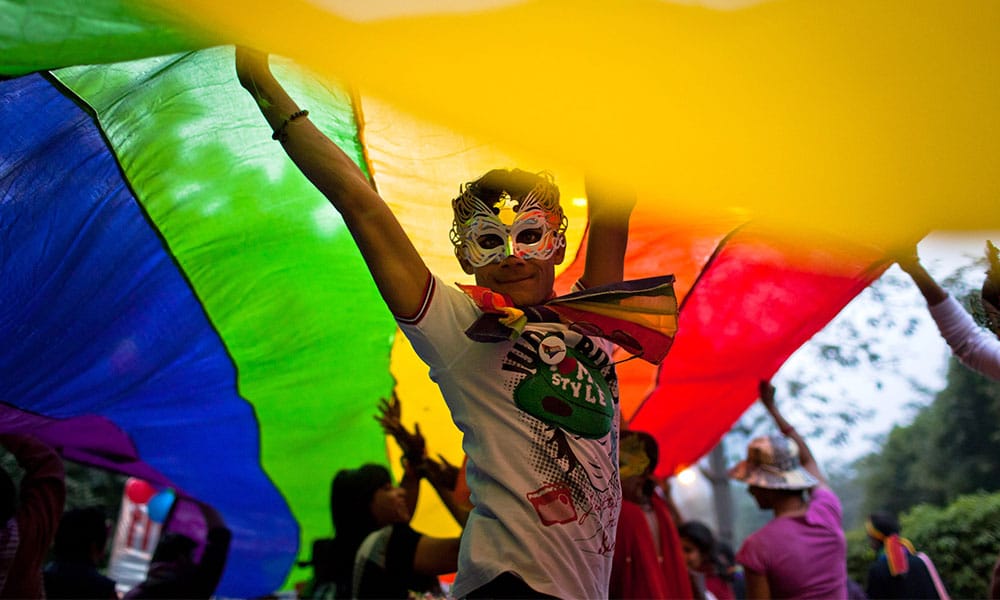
568	390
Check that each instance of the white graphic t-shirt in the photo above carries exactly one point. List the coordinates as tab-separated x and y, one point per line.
539	417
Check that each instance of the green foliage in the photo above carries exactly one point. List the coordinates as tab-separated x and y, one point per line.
951	448
88	486
895	478
962	539
859	555
850	490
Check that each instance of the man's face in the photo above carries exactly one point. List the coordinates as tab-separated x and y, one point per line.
527	281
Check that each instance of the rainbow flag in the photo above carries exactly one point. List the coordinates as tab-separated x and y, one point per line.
179	304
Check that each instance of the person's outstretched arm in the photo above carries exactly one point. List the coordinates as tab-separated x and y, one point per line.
909	262
436	556
41	501
43	487
973	346
412	444
805	456
400	274
609	208
443	476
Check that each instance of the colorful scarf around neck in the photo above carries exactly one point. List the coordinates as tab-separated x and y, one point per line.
896	549
639	315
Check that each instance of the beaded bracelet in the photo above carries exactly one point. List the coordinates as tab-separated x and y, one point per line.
279	133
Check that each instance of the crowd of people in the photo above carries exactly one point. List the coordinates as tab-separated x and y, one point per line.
801	553
553	502
49	552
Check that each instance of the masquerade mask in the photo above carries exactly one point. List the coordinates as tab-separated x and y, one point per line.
529	228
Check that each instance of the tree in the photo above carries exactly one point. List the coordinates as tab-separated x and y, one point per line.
966	440
951	448
891	480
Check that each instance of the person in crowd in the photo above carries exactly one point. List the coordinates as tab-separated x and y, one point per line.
334	560
973	346
175	572
648	561
450	484
899	571
802	551
376	554
535	399
29	518
702	555
79	548
732	571
442	475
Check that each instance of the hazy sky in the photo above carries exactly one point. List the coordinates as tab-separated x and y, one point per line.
921	356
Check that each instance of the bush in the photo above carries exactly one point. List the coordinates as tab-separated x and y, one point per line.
859	555
962	539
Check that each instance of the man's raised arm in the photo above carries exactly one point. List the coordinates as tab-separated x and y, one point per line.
609	208
398	270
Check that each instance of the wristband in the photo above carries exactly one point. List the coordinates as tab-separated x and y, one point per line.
279	133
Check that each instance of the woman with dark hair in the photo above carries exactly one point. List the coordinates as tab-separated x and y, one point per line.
899	571
375	553
702	556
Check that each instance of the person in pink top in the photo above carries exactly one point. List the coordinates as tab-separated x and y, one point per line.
802	552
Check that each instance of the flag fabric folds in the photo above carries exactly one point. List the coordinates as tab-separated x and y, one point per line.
179	304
